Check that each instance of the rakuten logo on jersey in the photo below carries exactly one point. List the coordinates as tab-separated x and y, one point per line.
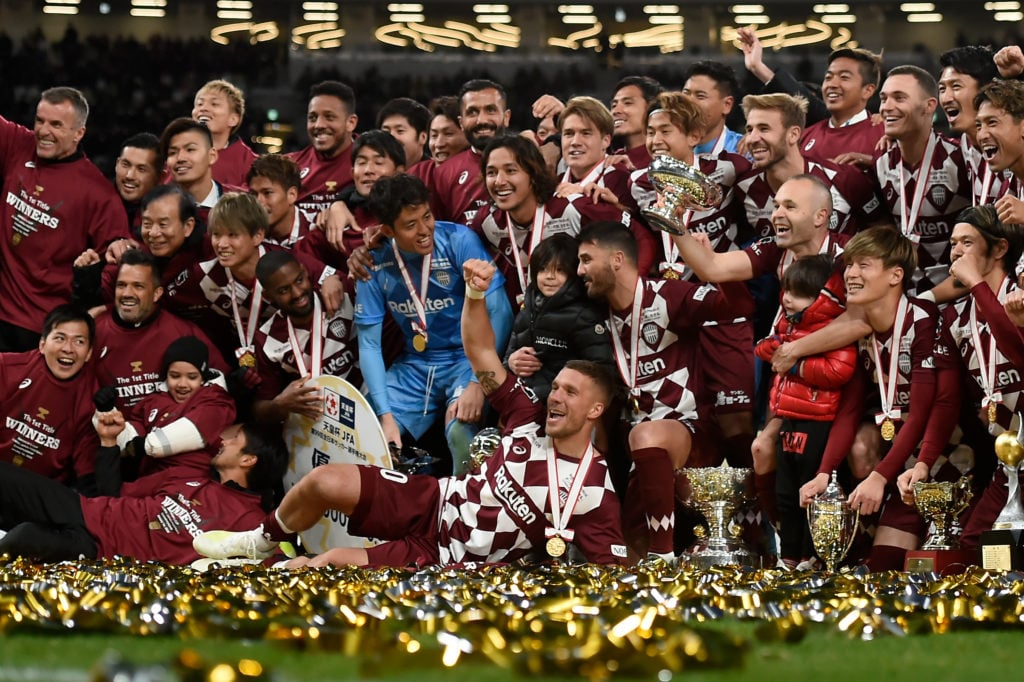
929	228
431	305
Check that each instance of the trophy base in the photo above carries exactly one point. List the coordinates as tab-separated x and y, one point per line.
942	561
1002	550
708	557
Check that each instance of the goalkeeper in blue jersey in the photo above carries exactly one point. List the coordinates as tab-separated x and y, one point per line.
417	277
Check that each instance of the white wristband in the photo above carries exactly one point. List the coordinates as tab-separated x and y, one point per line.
474	293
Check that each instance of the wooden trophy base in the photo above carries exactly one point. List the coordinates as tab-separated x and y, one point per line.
942	561
1002	550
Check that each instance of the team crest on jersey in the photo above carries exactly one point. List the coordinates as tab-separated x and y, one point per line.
810	144
651	333
25	383
904	362
42	413
443	277
304	172
938	195
463	177
136	366
331	185
338	329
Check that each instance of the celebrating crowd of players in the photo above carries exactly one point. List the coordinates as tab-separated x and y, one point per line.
859	275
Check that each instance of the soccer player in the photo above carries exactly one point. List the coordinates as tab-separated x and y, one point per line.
545	486
446	137
907	382
188	147
841	128
418	279
633	94
131	339
154	519
220	106
57	204
300	342
923	178
1000	122
674	125
985	252
47	403
525	210
137	171
407	121
714	86
654	326
326	165
275	181
457	188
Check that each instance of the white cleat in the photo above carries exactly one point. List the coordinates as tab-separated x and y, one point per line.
225	544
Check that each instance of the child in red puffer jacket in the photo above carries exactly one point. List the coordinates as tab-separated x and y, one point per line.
806	398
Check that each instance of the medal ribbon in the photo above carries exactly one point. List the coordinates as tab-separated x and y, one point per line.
887	389
627	368
560	515
923	175
316	354
987	369
246	332
417	297
592	176
535	237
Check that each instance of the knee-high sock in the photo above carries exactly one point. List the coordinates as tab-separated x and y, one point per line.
459	436
764	485
886	558
274	529
656	481
737	451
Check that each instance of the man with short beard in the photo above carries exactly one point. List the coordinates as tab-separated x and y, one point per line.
457	190
300	342
326	164
131	338
136	172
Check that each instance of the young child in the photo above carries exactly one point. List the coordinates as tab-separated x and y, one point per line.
806	398
558	321
176	430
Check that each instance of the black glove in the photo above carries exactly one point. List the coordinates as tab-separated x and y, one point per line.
105	399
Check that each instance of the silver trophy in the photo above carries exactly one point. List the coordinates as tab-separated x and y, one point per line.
942	503
718	493
1011	453
679	186
833	524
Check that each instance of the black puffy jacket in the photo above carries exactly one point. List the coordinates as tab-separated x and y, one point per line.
567	326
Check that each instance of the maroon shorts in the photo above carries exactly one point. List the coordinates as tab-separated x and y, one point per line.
726	361
403	511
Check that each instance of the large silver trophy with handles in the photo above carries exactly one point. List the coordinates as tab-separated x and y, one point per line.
679	186
718	493
1002	548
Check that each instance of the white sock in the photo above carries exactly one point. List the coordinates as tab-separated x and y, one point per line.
277	516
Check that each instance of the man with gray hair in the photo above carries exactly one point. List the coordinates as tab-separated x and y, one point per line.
56	204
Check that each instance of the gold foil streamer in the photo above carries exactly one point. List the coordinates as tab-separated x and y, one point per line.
585	620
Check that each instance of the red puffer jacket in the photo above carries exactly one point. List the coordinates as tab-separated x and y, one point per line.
811	389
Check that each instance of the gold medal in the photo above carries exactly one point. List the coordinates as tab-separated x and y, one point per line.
555	547
635	404
670	273
16	239
419	342
247	360
888	429
992	412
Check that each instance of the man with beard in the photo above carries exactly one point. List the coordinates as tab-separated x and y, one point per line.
326	164
654	325
57	204
457	190
131	338
300	342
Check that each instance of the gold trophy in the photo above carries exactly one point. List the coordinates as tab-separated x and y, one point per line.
941	503
679	185
1002	548
833	524
718	493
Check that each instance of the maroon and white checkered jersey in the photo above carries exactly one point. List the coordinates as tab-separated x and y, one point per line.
986	184
276	357
500	513
1005	375
561	215
671	315
947	192
854	203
